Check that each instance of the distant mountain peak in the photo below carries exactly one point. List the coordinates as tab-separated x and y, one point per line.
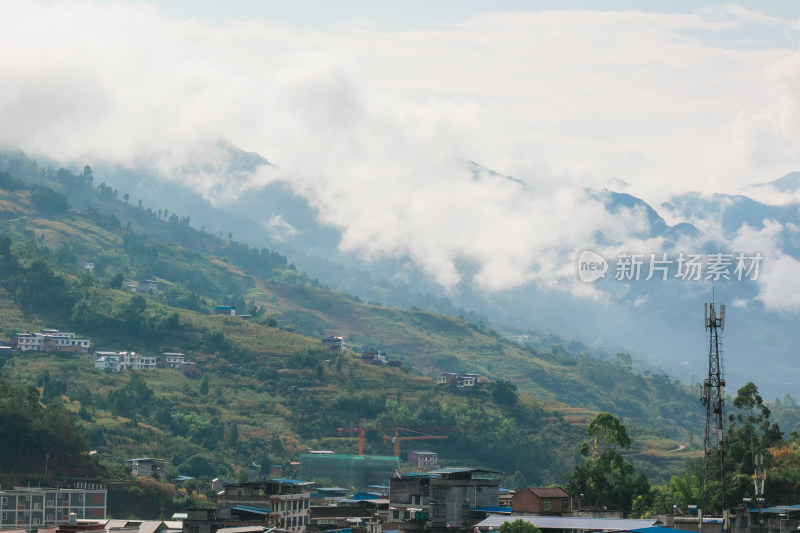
789	182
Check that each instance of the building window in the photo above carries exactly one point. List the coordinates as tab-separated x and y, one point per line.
5	517
547	504
50	517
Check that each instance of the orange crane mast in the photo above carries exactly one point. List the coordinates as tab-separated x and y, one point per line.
361	433
397	438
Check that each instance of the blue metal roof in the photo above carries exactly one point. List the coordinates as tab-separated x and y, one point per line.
250	509
659	529
366	496
492	509
569	522
291	481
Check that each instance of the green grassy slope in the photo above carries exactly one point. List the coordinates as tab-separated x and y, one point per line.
269	389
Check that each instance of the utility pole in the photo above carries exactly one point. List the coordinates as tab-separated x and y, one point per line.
713	398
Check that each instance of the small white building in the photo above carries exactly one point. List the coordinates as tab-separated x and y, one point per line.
423	459
120	361
173	359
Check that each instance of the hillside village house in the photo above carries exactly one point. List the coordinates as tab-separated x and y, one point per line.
173	359
148	467
542	500
332	342
49	340
120	361
461	382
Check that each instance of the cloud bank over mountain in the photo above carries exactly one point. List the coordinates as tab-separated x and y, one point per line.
374	127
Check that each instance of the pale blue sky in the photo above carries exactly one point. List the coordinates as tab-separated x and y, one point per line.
419	14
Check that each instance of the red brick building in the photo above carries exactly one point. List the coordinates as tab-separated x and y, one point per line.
541	500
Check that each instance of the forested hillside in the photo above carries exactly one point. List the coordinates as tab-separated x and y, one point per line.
269	390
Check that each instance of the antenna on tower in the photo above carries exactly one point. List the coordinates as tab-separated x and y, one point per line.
713	398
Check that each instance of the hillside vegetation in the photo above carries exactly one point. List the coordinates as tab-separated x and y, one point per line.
269	390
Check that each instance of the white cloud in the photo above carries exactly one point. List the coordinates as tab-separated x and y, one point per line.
779	274
374	126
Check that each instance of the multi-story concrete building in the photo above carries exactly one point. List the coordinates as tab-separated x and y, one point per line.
173	360
289	500
33	508
448	497
423	459
148	467
120	361
49	340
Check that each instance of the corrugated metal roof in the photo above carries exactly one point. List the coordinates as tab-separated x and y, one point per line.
777	509
453	470
243	529
251	509
492	509
570	522
659	529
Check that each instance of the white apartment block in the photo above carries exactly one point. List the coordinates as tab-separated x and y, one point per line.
31	508
121	361
51	340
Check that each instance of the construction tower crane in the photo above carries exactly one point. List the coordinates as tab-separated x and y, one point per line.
397	438
361	433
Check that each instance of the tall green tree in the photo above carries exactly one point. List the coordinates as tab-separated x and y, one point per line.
606	479
750	433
